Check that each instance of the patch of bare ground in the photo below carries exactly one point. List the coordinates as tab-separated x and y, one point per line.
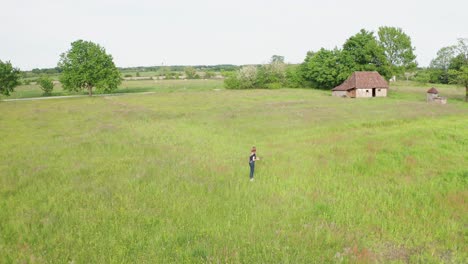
356	254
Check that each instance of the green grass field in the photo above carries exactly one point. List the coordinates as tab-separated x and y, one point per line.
163	177
33	90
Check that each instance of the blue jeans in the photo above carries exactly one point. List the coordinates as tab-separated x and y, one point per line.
252	168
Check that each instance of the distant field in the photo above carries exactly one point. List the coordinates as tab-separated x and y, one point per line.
163	178
33	90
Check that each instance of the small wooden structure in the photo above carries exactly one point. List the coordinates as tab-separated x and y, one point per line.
432	95
362	84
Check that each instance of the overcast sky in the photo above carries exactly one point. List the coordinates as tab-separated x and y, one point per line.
206	32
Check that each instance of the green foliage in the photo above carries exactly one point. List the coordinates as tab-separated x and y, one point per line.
294	76
209	75
86	66
448	64
324	69
171	75
460	77
46	84
191	73
398	49
362	52
9	78
227	74
244	78
443	59
269	76
128	75
49	71
423	76
277	59
137	74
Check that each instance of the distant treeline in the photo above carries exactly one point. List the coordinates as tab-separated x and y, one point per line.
181	68
46	71
172	68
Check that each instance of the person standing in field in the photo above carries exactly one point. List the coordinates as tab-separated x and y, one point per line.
253	157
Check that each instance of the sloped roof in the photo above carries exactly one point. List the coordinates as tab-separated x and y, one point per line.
433	91
363	80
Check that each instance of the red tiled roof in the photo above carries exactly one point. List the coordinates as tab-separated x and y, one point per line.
433	91
363	80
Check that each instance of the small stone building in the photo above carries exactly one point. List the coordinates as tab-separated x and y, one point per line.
362	84
432	95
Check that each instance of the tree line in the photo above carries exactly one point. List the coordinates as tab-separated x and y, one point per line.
87	66
389	53
450	66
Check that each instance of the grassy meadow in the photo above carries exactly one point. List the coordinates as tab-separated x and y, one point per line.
33	90
164	177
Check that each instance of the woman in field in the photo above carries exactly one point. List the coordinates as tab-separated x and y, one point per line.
253	157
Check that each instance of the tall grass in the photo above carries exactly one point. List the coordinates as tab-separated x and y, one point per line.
164	178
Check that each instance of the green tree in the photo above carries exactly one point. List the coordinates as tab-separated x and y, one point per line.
440	65
191	73
362	52
86	66
460	77
325	68
397	48
449	61
9	78
46	84
458	66
277	59
294	76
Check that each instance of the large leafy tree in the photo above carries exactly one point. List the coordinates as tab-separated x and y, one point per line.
398	49
9	78
277	59
363	53
443	58
458	66
460	77
449	62
325	68
86	66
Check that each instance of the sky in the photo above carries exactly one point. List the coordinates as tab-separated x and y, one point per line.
34	33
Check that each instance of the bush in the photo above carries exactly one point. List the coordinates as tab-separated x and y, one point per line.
128	75
232	82
191	73
422	76
294	77
209	75
269	76
46	84
275	85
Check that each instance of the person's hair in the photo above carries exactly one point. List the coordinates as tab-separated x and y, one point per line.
254	149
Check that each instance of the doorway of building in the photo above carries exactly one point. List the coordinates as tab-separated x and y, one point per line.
373	92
